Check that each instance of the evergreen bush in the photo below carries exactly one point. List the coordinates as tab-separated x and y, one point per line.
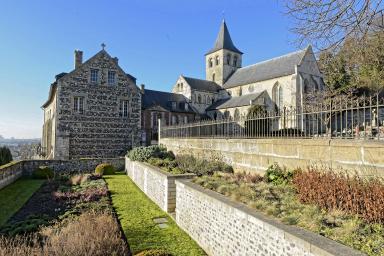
5	155
43	172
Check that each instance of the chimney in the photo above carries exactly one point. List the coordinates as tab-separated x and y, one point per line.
116	60
142	88
78	58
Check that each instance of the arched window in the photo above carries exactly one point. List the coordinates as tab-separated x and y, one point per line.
229	59
208	100
306	85
199	99
205	99
210	64
226	114
277	95
181	86
237	115
280	97
217	60
213	77
235	61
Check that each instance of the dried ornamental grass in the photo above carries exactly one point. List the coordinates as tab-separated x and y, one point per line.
91	234
331	191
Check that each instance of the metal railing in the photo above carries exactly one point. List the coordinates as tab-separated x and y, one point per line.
361	118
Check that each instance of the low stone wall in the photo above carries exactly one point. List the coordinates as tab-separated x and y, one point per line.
158	185
71	166
11	172
365	158
222	227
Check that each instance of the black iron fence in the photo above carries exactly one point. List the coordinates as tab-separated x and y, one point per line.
361	118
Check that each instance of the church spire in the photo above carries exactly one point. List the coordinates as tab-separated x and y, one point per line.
224	41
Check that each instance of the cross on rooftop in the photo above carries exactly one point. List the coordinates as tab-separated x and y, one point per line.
103	45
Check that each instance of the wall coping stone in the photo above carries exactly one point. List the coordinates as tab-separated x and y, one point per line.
164	173
315	242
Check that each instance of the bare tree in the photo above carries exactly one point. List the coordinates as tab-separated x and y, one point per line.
327	23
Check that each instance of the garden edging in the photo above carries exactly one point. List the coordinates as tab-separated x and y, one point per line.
157	184
223	227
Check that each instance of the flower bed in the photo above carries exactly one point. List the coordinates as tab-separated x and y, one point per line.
295	198
67	215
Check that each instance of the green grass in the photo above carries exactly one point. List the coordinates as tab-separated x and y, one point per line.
15	195
136	213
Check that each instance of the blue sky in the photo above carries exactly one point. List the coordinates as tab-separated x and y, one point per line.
154	40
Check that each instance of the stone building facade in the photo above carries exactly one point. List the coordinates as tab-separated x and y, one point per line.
92	111
170	108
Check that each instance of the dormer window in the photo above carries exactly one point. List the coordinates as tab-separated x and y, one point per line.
217	60
111	77
174	105
94	76
210	62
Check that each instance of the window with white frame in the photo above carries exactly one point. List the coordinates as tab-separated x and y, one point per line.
124	108
111	77
78	104
94	75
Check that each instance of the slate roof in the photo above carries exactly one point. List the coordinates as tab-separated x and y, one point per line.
202	85
233	102
276	67
152	98
224	41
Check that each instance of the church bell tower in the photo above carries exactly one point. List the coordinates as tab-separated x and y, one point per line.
223	59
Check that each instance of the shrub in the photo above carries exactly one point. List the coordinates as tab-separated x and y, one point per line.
142	154
5	155
276	175
331	191
153	252
104	169
190	164
43	172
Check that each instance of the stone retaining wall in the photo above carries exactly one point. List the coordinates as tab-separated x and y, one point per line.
158	185
11	172
222	227
365	158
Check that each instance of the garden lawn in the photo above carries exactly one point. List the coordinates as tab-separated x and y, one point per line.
136	213
15	195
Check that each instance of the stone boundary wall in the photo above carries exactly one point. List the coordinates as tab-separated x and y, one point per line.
365	158
9	173
12	171
225	228
158	185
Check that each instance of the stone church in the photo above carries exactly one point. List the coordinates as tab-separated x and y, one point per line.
229	89
92	111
